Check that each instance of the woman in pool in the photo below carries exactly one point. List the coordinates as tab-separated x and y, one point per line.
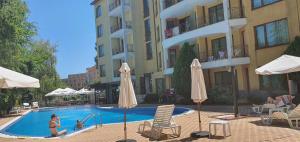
53	124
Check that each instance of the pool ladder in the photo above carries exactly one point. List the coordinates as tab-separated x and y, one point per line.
92	115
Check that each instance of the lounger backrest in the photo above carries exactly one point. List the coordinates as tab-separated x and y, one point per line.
35	103
163	115
295	112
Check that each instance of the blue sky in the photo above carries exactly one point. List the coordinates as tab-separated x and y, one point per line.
70	25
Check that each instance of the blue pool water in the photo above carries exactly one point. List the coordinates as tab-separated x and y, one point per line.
35	123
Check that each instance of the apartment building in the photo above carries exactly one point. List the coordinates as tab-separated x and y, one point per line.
92	75
125	33
229	36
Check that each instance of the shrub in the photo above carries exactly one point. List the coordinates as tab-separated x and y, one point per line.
151	98
257	97
219	95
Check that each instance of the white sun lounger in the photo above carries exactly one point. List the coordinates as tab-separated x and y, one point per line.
293	117
26	106
15	110
162	120
35	105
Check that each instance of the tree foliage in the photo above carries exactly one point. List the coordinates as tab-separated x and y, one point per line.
15	32
182	71
20	53
294	50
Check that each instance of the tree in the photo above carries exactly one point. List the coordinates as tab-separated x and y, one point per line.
40	63
294	50
20	53
15	32
182	71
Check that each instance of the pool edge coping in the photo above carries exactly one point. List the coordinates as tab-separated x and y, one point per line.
3	135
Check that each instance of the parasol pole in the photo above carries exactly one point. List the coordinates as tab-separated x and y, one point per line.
125	128
199	116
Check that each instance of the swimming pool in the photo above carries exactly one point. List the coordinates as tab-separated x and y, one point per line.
35	123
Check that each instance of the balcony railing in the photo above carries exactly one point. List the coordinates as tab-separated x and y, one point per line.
235	12
114	4
117	27
117	3
120	49
169	3
117	50
238	51
170	63
116	73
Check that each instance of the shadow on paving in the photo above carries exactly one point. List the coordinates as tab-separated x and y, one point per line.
275	123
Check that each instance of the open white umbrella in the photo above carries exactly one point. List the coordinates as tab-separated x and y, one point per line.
68	92
285	64
12	79
282	65
55	92
198	93
84	91
126	96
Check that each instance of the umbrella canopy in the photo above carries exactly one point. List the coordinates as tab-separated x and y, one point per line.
126	96
12	79
61	92
198	92
282	65
84	91
55	92
68	91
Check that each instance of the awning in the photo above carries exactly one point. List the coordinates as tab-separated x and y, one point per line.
282	65
12	79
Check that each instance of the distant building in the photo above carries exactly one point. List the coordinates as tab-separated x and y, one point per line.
77	81
92	75
82	80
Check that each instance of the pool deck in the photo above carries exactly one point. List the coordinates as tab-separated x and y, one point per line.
248	129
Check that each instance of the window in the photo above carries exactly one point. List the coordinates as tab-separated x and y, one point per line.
158	34
261	3
159	60
160	85
223	79
102	70
100	50
146	8
273	82
218	45
147	30
149	50
272	34
99	31
216	14
98	11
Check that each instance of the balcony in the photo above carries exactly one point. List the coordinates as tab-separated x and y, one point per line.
118	53
219	58
169	3
117	30
190	31
115	7
178	8
117	74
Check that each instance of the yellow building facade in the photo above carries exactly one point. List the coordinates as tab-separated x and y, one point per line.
243	34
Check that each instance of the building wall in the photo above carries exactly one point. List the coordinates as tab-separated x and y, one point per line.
77	81
256	17
105	41
247	79
92	75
